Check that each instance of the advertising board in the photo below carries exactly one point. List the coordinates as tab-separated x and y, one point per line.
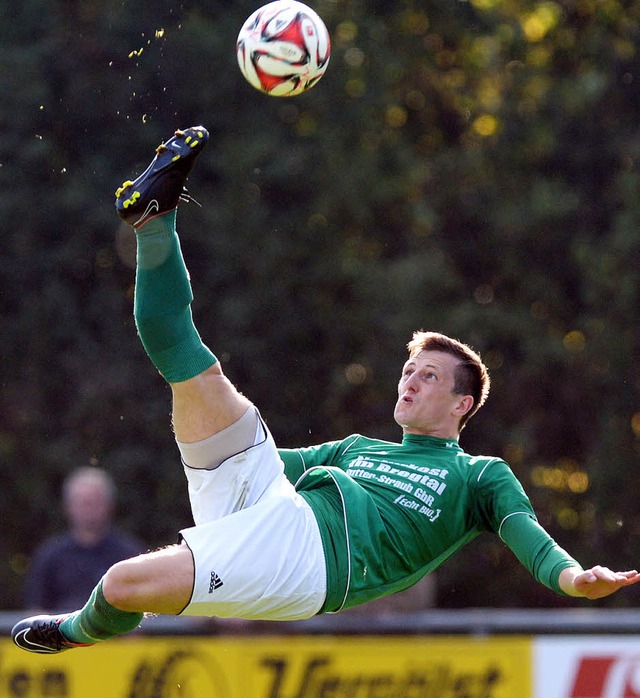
587	667
274	667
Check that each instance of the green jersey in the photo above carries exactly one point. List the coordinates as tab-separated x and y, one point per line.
390	513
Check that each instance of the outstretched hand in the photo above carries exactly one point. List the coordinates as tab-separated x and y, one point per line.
597	582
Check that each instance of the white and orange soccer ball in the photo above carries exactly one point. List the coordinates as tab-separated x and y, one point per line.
283	48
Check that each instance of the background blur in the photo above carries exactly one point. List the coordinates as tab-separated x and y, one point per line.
469	167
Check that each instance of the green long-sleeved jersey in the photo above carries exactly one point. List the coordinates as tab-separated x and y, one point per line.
390	513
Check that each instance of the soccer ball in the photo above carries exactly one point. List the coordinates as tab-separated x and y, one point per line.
283	48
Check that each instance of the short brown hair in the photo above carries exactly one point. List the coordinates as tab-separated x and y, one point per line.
471	375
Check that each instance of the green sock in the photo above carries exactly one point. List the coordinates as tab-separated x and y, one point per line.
98	620
162	304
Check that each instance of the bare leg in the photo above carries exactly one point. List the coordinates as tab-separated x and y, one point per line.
205	405
204	401
158	582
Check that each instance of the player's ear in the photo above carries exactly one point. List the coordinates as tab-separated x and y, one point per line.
464	404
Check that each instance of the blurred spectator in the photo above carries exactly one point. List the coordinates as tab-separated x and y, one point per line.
66	567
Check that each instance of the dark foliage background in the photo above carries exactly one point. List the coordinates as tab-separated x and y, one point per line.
468	167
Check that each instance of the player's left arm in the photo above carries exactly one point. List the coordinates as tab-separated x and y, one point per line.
596	582
550	564
554	567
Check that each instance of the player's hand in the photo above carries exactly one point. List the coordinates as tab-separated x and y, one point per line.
598	582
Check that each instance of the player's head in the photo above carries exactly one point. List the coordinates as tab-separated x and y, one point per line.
470	374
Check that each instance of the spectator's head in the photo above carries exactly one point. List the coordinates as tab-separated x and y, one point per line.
89	496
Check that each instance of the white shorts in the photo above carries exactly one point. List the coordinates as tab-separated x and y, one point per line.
256	544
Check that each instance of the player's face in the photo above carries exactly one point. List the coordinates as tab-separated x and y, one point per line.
426	401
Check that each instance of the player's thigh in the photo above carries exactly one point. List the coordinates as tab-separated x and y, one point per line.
264	562
157	582
205	405
241	480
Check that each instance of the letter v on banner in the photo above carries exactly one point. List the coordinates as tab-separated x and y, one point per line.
608	676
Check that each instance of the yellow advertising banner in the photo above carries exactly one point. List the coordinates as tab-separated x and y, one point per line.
274	667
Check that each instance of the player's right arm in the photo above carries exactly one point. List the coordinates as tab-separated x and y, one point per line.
298	460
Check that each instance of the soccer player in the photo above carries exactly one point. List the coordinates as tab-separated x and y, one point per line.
287	534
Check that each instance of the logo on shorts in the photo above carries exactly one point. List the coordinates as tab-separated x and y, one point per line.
215	582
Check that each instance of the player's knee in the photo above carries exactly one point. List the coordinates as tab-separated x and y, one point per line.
119	584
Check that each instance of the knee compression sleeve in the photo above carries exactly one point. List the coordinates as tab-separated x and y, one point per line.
210	453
